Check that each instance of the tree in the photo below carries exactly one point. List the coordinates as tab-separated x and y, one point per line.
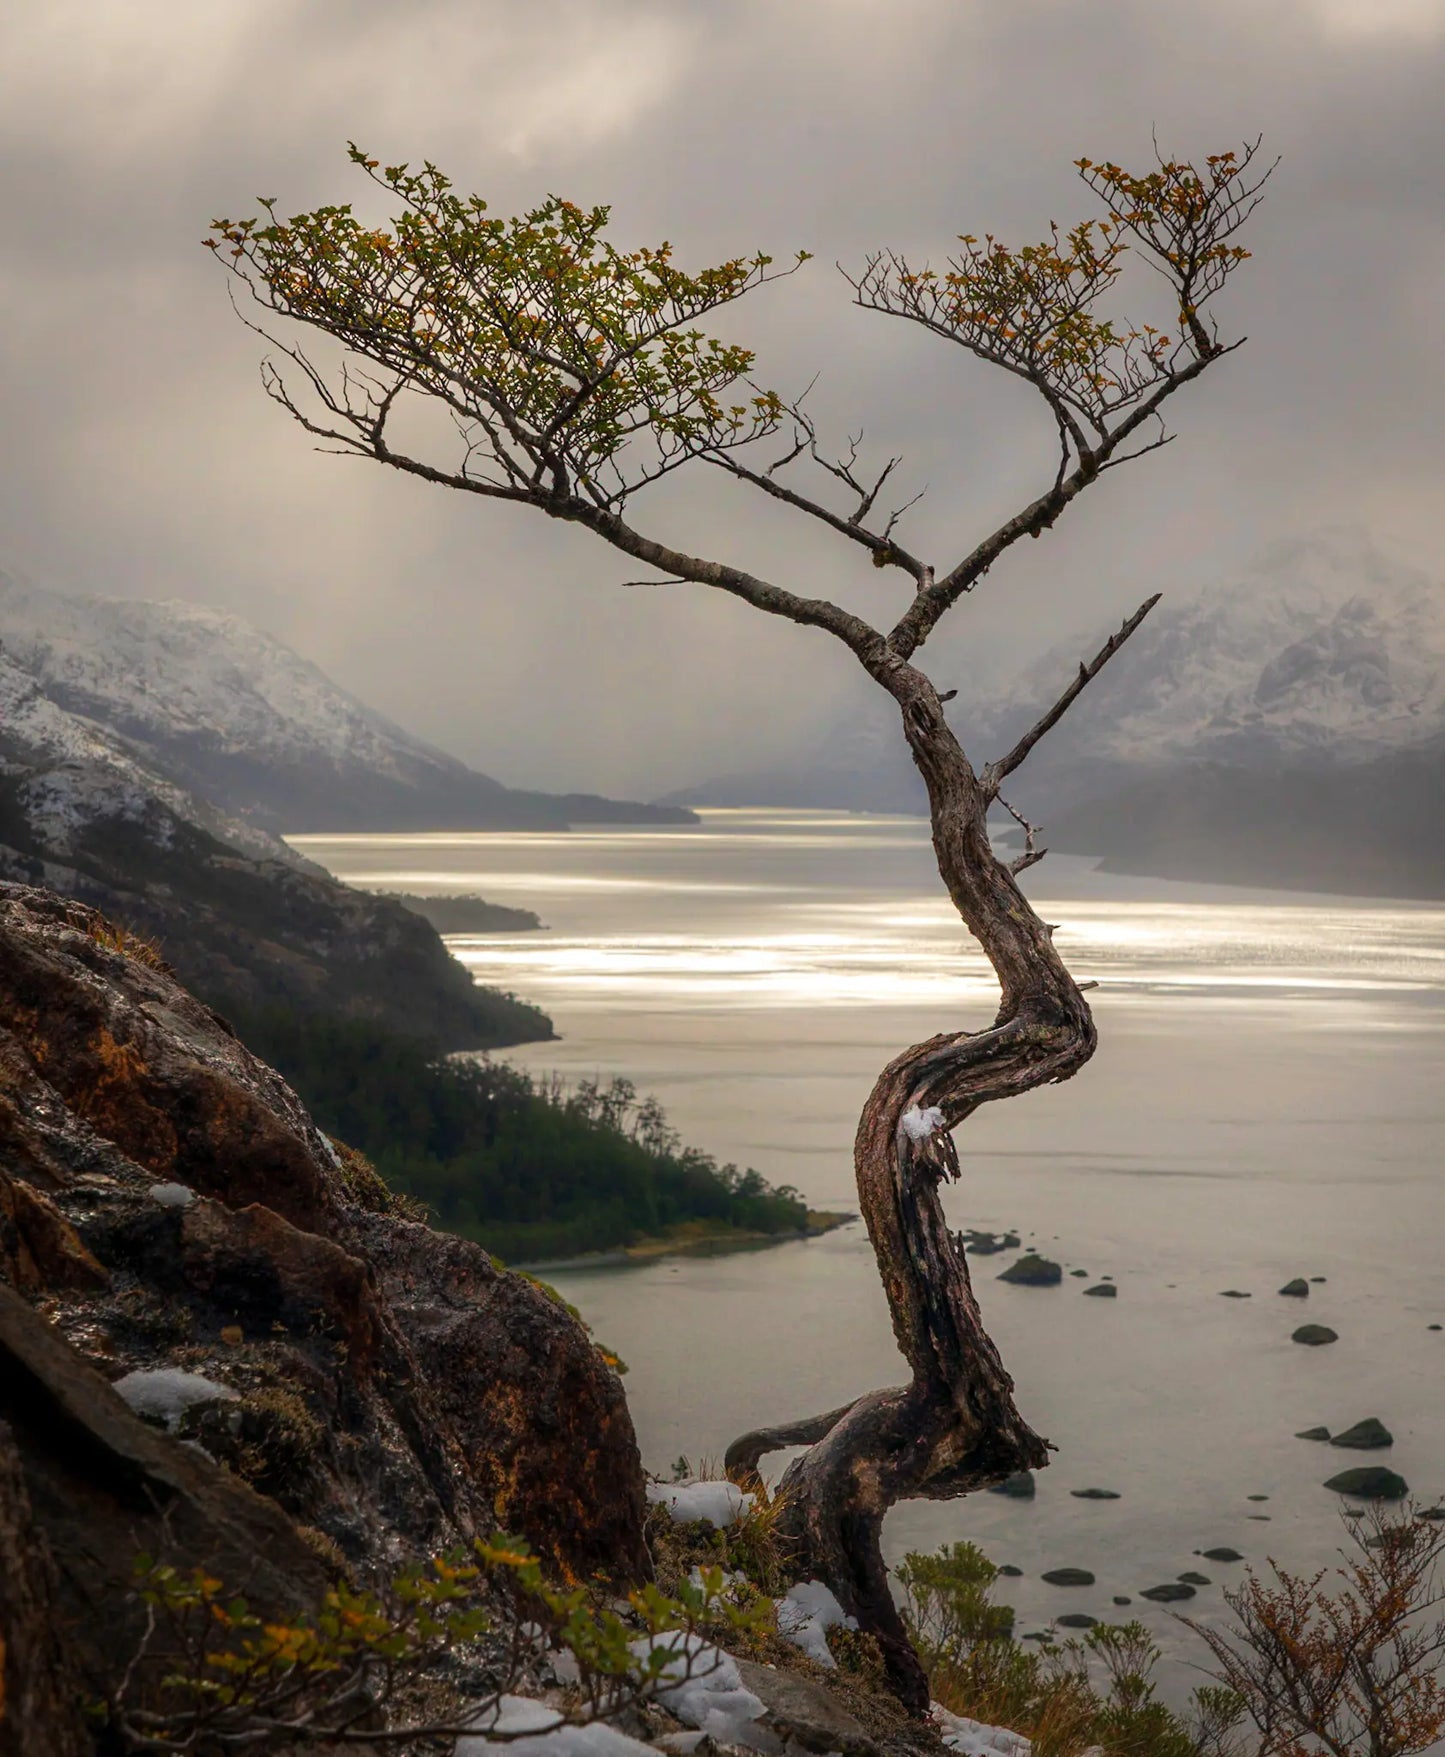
576	375
1354	1671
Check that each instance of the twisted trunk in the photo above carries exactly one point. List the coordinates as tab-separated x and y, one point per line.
954	1427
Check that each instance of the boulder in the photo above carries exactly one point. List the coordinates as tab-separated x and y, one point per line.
1077	1620
1369	1435
1018	1487
169	1201
1104	1290
1010	1572
1313	1434
1033	1271
103	1486
1370	1482
1315	1335
1171	1592
1194	1578
802	1711
1068	1577
1299	1288
1221	1553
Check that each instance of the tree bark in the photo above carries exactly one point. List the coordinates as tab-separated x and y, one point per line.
954	1428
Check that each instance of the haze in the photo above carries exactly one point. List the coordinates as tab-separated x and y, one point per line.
139	456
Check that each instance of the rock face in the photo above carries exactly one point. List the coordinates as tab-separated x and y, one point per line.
395	1391
100	1485
40	1691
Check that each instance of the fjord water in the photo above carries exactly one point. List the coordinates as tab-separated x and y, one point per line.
1265	1103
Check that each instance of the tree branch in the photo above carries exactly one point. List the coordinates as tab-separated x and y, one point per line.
995	773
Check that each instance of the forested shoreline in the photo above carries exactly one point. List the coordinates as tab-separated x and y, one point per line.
529	1168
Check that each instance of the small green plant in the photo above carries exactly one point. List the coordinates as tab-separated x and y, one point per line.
213	1674
1068	1698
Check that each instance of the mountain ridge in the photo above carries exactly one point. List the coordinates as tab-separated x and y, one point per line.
235	717
1285	727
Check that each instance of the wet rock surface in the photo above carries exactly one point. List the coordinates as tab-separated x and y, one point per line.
395	1390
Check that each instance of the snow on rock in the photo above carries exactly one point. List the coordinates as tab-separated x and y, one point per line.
720	1503
702	1686
971	1738
167	1393
918	1124
172	1195
805	1615
541	1735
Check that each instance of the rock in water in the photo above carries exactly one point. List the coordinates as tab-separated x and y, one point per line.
1068	1577
1171	1592
1193	1578
1222	1553
1105	1290
1315	1335
1234	1293
1077	1620
1018	1487
1370	1482
1095	1494
1033	1271
1299	1288
1368	1435
1313	1434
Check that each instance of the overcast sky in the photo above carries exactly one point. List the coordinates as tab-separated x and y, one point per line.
138	455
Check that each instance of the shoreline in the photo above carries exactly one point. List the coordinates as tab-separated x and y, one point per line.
697	1244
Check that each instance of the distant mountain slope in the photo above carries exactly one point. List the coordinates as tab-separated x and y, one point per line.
1286	726
227	713
245	921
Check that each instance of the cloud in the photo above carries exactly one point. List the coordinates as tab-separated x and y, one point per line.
139	456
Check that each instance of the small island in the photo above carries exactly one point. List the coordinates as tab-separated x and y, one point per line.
467	914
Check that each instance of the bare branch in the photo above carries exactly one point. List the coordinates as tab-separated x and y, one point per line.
1031	855
996	772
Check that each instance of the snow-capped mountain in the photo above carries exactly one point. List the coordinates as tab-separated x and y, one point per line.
1323	646
1284	726
72	771
234	716
244	920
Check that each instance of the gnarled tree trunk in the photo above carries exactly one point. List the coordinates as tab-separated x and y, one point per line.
954	1427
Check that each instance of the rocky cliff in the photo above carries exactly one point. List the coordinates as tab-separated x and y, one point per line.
182	1249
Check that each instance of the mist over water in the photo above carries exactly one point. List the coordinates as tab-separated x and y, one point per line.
1265	1103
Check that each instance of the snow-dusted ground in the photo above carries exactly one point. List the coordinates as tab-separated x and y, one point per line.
719	1503
167	1393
